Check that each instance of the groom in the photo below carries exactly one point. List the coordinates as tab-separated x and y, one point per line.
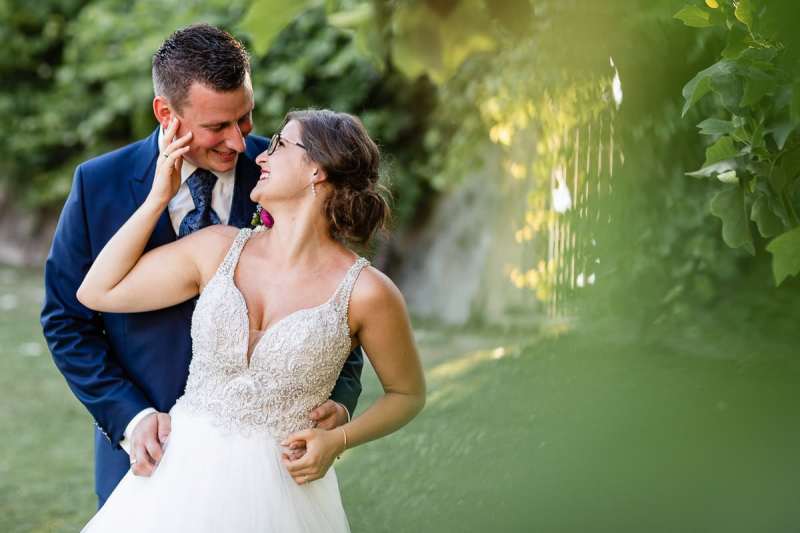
128	369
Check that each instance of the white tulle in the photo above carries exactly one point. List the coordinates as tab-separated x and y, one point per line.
210	480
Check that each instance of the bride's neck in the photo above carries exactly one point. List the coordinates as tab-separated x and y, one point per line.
299	236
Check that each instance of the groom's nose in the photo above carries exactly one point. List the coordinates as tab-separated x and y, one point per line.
234	140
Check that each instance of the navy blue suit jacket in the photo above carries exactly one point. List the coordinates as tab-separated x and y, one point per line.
120	363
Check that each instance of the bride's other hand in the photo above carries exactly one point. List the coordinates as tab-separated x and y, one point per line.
167	179
321	449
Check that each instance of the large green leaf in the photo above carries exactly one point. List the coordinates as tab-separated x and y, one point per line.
715	169
767	221
728	205
463	34
416	41
738	41
694	16
720	151
715	77
744	12
715	126
361	23
755	88
267	18
359	15
426	41
785	250
780	132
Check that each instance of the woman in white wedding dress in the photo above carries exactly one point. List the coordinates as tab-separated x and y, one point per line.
278	313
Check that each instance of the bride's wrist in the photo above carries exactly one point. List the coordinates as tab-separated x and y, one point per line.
342	435
155	203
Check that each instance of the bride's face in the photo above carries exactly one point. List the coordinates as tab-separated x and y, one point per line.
286	173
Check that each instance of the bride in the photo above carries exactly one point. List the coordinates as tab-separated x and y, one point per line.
278	312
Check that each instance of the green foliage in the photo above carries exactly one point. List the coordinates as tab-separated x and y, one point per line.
77	84
84	87
265	20
728	204
786	250
753	122
314	64
531	81
442	84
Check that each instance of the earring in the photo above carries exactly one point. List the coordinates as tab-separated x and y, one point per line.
313	188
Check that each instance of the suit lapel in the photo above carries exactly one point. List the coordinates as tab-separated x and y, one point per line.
142	174
242	207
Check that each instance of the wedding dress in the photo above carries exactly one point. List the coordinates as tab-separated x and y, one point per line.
222	469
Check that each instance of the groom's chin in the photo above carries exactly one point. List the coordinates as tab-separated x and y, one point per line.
216	163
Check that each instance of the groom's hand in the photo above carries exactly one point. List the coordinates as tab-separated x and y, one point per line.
329	415
147	443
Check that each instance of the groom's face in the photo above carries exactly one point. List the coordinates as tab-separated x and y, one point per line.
219	122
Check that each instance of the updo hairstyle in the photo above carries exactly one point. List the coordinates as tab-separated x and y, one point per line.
340	145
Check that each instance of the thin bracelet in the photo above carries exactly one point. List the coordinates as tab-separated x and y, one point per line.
344	433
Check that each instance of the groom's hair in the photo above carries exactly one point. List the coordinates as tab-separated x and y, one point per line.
199	53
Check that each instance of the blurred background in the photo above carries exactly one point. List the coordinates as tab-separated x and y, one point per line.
595	228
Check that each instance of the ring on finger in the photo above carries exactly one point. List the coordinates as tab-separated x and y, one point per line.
166	155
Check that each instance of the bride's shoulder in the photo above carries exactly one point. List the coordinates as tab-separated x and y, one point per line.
210	245
221	231
374	290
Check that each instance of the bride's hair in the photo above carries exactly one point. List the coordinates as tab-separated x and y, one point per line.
340	144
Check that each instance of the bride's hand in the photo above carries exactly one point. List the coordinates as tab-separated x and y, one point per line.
167	180
321	449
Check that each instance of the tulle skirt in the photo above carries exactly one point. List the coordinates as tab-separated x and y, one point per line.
213	480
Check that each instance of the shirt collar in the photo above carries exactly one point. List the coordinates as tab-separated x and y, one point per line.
187	169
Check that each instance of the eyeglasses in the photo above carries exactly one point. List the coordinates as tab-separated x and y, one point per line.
275	141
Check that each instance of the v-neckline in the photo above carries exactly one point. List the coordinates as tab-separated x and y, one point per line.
248	354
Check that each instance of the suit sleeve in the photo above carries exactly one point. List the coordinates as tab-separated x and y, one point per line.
348	385
75	334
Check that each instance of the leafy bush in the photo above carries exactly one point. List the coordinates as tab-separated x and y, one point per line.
752	122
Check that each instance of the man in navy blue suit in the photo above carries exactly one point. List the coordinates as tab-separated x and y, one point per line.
129	369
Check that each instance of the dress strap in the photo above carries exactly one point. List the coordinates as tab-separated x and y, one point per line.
342	296
228	265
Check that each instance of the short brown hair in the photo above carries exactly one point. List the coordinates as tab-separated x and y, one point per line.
199	53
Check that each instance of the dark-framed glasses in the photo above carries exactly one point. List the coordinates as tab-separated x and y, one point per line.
275	141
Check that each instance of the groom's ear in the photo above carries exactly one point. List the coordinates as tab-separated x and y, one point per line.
162	111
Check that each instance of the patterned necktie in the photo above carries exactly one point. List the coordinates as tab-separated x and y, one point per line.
201	183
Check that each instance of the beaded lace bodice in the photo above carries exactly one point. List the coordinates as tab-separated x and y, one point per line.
293	366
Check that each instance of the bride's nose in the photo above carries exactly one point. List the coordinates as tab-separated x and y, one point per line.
262	158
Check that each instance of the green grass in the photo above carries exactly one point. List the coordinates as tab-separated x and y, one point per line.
591	431
46	479
574	435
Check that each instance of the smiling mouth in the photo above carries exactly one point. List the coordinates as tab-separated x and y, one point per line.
225	155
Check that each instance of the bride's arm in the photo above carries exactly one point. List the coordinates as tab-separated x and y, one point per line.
383	328
121	279
384	331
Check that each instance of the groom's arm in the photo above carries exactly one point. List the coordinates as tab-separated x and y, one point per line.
348	386
76	334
